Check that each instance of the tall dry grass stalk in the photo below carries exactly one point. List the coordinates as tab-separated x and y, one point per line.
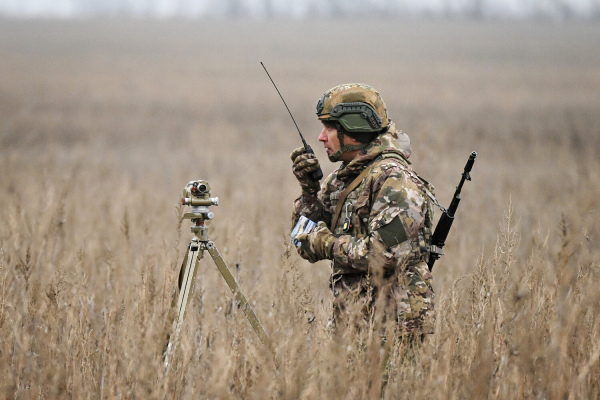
103	123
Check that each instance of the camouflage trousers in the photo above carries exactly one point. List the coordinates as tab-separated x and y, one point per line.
360	301
361	305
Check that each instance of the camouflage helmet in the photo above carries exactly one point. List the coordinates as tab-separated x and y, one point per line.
356	106
359	112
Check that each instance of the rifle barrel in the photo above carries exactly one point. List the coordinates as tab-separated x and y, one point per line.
445	223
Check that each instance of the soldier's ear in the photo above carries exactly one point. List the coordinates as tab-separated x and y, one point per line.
349	140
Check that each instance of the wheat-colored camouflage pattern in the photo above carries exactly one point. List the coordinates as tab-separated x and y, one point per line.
387	245
350	93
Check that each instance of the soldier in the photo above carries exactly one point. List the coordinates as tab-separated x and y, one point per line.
374	212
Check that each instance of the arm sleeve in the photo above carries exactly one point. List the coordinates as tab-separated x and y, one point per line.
312	207
396	215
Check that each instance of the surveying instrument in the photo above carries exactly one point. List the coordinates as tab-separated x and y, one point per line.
196	194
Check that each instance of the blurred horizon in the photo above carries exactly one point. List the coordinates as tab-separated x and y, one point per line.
557	10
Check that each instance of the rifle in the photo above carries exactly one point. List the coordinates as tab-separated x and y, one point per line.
442	229
317	175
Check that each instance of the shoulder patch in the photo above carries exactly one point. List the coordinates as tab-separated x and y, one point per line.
393	233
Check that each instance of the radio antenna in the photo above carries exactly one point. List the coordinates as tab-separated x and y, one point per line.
317	174
284	103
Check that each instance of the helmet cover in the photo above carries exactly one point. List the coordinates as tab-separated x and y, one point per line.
356	106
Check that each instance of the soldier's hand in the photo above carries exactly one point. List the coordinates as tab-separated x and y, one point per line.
317	245
304	165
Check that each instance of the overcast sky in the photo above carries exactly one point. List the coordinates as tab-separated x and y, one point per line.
557	9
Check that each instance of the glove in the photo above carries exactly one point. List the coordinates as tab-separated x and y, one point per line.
304	165
317	245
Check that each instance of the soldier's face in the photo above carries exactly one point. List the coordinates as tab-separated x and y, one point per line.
330	140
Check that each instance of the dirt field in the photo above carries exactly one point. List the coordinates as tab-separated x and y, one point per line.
102	123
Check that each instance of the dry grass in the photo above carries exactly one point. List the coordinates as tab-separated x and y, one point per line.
103	123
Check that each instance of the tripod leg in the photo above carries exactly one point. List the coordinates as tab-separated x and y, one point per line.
243	303
171	315
186	281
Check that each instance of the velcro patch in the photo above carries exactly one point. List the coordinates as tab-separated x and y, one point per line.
393	233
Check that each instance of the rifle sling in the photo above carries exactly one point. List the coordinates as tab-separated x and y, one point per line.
362	176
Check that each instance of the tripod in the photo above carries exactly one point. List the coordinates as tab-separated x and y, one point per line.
197	196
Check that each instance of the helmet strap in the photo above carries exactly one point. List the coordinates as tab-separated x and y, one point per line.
345	149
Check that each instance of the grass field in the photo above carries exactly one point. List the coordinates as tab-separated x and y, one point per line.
102	123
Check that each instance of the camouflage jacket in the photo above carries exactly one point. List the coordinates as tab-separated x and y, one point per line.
390	219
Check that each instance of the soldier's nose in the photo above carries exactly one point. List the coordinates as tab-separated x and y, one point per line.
322	136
